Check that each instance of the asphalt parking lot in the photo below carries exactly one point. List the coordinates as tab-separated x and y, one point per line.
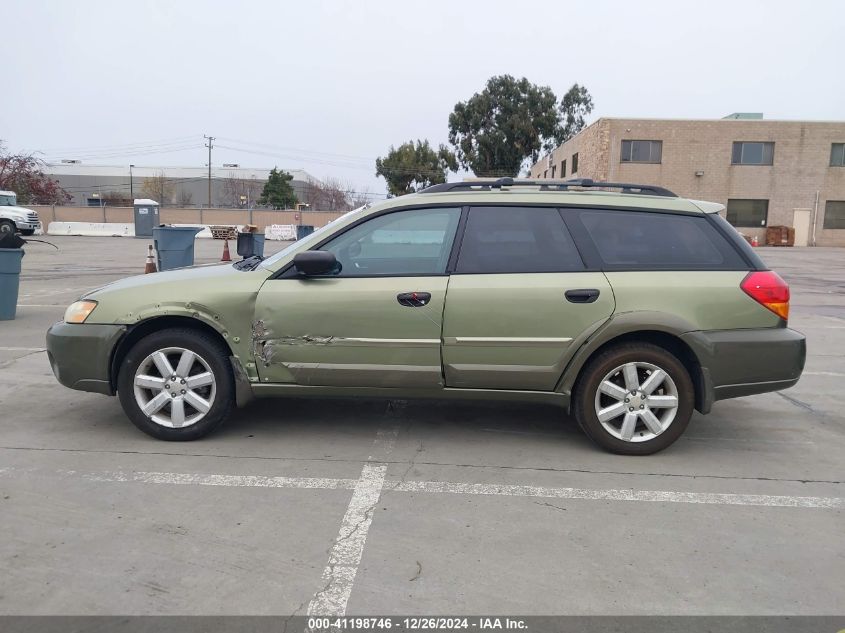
414	508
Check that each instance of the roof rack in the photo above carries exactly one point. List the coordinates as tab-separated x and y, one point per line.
549	185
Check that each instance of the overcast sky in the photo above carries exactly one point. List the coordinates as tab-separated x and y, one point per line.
328	86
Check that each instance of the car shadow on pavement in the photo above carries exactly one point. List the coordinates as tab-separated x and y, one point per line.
272	417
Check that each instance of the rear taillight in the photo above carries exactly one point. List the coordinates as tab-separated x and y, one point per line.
769	290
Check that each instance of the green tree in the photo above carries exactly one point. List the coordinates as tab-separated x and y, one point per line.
574	108
278	192
411	167
497	129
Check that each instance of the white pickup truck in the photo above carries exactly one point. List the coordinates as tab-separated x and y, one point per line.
14	218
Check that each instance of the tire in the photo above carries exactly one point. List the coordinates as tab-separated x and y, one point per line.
640	423
181	418
27	231
7	226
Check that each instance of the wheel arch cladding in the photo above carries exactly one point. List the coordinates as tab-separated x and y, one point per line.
666	340
156	324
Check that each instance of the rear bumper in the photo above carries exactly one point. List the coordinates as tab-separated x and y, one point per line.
738	363
80	355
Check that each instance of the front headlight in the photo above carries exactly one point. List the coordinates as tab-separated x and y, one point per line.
79	311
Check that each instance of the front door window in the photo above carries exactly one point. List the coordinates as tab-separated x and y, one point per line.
406	243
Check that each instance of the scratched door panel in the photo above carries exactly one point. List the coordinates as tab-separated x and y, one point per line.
350	332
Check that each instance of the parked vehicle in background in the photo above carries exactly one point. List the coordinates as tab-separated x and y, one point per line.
627	308
14	218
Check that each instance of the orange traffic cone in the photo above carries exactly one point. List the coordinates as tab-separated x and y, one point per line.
150	266
226	256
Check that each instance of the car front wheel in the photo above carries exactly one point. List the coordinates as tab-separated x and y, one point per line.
634	399
176	384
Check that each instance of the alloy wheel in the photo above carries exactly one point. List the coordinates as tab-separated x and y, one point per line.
174	387
636	402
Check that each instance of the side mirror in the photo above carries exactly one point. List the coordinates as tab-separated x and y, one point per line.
315	262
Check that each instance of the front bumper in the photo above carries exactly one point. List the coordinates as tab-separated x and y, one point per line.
738	363
28	226
80	354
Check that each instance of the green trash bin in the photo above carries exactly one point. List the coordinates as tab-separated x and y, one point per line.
10	275
175	246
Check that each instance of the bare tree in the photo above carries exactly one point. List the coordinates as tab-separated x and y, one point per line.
358	199
117	199
159	188
240	192
333	194
185	198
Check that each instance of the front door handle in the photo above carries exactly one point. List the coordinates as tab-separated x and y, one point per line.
413	299
582	295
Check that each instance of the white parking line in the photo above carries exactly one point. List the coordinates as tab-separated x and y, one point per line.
246	481
373	478
664	496
23	349
345	555
823	373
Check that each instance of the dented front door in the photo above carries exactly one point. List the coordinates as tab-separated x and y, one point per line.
376	320
351	332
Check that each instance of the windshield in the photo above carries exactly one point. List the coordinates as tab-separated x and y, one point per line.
308	240
8	200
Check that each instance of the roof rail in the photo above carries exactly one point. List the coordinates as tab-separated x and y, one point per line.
545	184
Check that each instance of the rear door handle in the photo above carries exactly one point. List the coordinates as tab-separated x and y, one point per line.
413	299
582	295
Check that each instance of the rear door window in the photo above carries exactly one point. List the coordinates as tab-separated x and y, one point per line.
517	240
641	240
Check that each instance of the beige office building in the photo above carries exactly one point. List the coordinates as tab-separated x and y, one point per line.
767	173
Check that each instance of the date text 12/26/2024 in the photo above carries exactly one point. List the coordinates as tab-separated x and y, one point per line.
352	623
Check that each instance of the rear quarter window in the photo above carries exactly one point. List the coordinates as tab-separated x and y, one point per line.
642	240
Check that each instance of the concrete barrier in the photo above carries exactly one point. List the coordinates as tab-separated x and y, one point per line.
91	229
280	232
111	229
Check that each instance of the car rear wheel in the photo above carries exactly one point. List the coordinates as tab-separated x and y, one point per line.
176	384
634	399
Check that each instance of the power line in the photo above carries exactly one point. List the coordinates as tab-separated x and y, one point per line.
56	158
121	146
298	150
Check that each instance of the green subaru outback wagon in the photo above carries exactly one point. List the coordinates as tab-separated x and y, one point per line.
626	305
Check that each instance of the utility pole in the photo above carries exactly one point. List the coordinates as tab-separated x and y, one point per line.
209	145
131	185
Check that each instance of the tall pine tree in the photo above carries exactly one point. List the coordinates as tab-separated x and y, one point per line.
278	192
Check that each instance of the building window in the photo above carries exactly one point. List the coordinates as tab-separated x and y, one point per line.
752	153
748	212
642	151
834	214
575	162
553	170
563	169
837	155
